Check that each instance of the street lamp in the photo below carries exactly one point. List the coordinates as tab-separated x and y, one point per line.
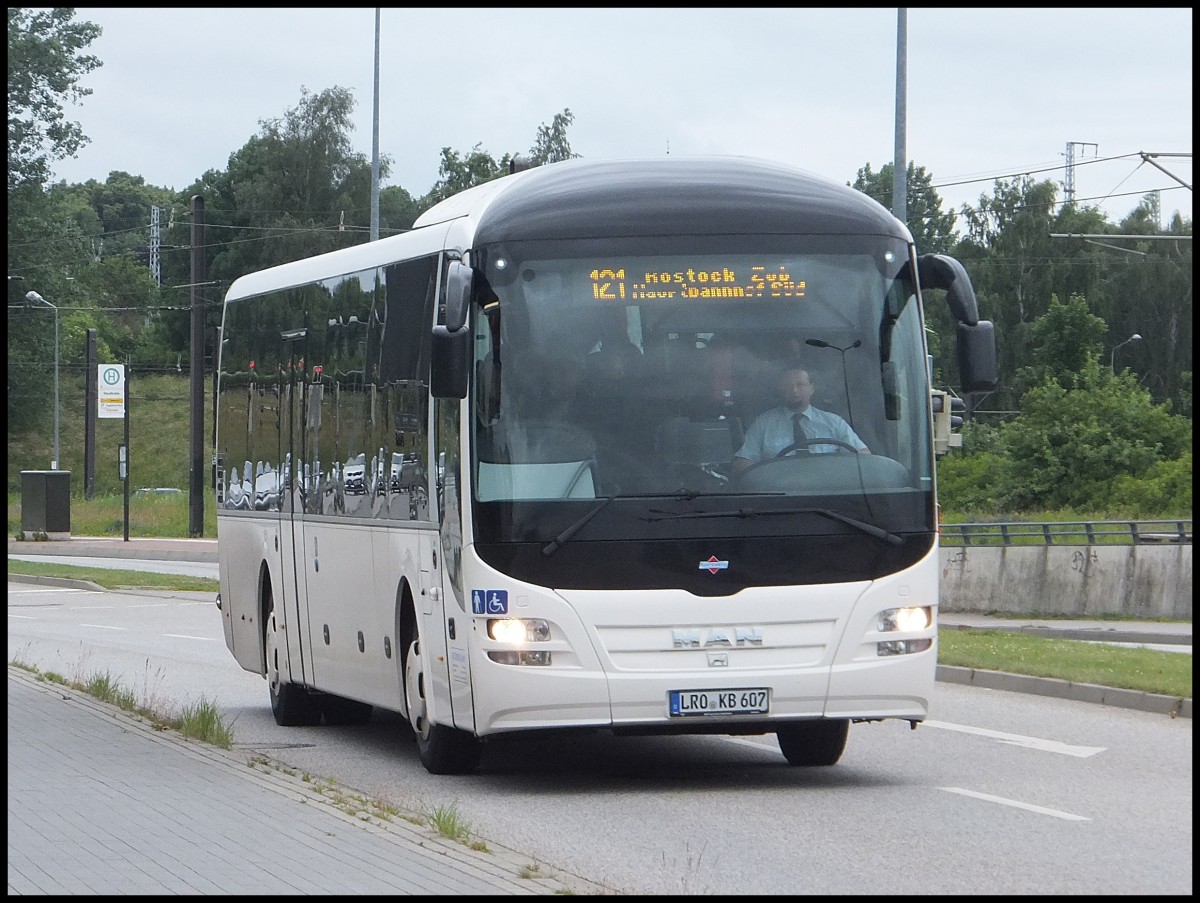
1133	338
35	298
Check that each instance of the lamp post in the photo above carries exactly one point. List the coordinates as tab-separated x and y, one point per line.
35	298
1113	363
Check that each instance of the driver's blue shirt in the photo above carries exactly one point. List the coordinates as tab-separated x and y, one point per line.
772	432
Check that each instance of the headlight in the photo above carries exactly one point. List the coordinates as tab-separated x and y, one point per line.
905	619
518	630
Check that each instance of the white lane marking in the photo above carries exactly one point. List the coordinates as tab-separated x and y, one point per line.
115	607
1028	807
1079	752
756	744
22	617
101	626
184	636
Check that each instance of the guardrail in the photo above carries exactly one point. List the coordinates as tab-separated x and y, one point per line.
1109	532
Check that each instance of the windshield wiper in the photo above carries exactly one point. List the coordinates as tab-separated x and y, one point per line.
869	529
564	537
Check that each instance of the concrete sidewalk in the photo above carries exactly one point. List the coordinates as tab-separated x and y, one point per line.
101	802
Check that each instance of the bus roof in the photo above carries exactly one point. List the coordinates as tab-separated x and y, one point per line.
667	195
663	196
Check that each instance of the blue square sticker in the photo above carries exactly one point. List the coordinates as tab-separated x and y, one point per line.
489	601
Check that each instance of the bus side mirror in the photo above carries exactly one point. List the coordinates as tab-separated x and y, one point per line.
977	356
458	294
451	355
946	273
451	351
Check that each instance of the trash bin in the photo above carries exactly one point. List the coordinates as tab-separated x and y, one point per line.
46	504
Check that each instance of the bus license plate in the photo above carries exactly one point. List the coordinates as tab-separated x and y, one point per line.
719	702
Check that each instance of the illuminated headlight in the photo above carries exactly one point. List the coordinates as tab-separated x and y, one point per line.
896	620
905	619
518	630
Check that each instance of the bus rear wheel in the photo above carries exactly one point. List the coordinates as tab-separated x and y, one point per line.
813	743
443	750
291	704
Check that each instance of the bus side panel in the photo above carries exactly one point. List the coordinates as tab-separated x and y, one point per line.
246	542
336	574
397	554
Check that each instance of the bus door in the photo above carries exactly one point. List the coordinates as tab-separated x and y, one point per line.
453	603
291	504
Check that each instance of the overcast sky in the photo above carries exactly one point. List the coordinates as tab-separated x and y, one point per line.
990	93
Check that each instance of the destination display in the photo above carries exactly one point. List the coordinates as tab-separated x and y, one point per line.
727	282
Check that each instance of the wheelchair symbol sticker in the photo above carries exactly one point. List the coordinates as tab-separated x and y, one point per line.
489	601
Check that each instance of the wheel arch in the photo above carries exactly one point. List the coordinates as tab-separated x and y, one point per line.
266	594
406	628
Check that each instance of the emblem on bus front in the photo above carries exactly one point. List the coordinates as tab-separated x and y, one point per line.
713	565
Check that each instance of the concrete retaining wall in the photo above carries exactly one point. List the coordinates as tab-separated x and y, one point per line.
1143	581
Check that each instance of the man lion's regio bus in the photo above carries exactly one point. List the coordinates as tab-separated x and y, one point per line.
479	473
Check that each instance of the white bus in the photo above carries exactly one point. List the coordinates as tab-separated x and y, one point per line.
479	473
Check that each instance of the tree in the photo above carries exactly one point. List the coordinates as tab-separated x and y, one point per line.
1073	442
45	63
1008	243
457	173
552	144
1062	340
295	189
932	230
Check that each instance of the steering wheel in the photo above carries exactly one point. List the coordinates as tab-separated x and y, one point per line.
804	443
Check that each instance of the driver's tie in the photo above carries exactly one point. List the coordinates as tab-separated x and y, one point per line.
798	434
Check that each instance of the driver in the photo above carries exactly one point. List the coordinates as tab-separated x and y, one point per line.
794	423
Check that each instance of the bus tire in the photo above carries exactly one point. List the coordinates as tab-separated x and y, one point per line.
291	704
340	710
813	743
443	749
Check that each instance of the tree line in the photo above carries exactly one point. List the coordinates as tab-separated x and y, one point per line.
1075	427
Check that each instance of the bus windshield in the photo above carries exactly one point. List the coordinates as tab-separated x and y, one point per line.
656	373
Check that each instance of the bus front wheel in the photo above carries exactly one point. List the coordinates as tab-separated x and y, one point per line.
813	743
443	750
291	704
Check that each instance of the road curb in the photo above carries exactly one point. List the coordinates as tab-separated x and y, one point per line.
67	582
1174	706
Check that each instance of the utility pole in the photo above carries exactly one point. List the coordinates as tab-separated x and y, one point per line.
900	157
375	142
1069	180
197	469
89	419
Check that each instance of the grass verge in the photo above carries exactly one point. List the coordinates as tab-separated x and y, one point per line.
113	578
1079	661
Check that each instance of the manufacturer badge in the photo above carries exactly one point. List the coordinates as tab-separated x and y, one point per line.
713	565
